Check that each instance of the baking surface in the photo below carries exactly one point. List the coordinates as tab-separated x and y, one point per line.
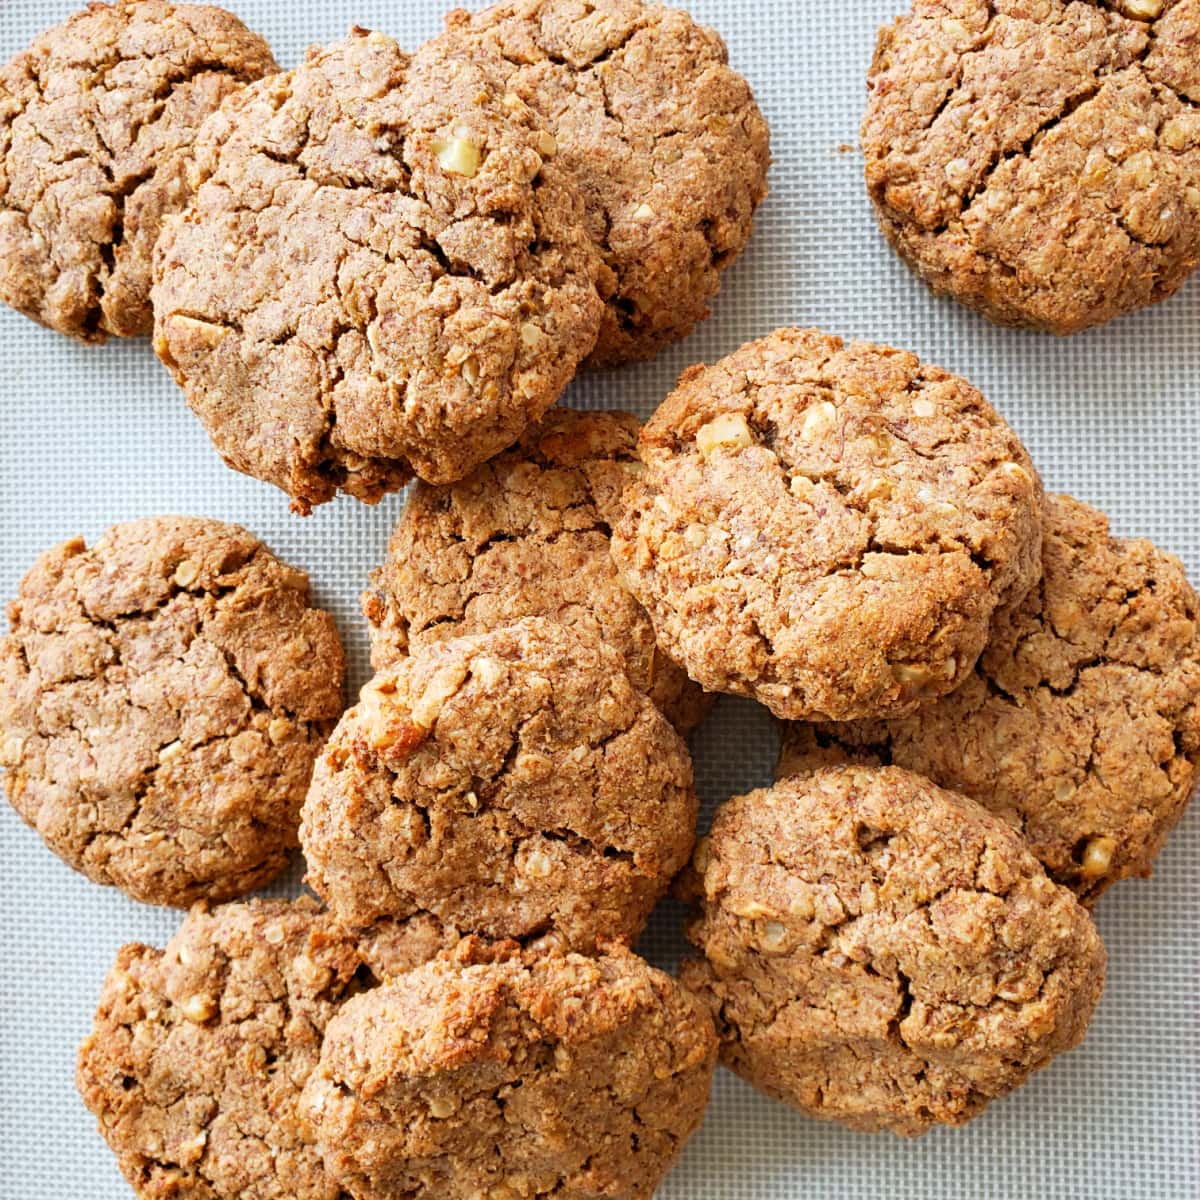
92	436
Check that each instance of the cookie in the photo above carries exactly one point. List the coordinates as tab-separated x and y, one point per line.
828	528
163	696
96	121
526	535
199	1052
492	1073
513	784
883	953
383	271
664	140
1080	725
1040	161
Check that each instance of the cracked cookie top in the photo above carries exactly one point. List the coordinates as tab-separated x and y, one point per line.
199	1052
664	140
492	1073
163	696
512	783
96	121
526	535
1080	725
828	528
1040	161
884	953
383	271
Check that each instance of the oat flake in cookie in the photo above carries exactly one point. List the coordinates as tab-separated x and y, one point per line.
1040	161
199	1052
383	271
500	1074
163	696
526	535
512	783
664	140
828	528
96	121
1080	725
884	953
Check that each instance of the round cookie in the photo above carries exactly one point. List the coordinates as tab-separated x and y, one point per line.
163	697
199	1052
383	271
828	528
492	1073
1040	161
1080	725
513	784
664	140
526	535
97	118
884	953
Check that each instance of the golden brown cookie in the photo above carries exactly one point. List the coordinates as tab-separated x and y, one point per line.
526	535
492	1073
884	953
664	140
199	1052
1080	725
383	271
828	528
96	121
163	696
1040	161
512	783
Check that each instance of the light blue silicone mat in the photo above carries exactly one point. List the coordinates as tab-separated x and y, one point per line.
97	435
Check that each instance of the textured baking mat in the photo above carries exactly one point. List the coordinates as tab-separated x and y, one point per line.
93	436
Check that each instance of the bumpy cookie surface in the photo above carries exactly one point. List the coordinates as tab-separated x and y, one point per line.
512	783
199	1052
383	271
1080	725
884	953
491	1074
1040	161
665	142
526	535
828	528
96	121
163	696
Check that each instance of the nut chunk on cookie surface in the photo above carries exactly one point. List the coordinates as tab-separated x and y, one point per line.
884	953
199	1052
1080	725
1040	162
513	783
382	272
163	696
97	119
828	528
526	535
492	1073
663	138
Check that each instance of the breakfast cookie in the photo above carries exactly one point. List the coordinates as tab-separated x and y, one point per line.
513	784
163	696
199	1052
1040	161
383	271
665	142
884	953
526	535
1080	725
828	528
96	121
501	1074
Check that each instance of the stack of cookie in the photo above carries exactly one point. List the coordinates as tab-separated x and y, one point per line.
381	265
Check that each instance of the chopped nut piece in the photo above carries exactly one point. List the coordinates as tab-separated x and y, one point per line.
187	573
547	144
198	1008
727	430
643	212
170	751
458	156
278	729
818	420
1097	857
